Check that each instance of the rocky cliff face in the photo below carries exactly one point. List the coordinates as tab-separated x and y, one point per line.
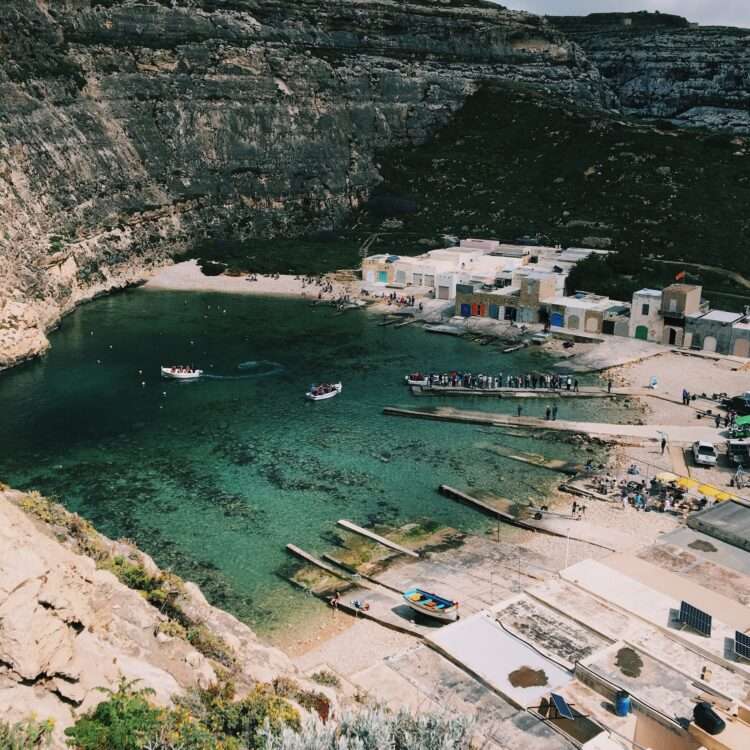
132	129
660	66
68	626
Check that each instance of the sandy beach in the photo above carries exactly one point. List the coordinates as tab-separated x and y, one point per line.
188	277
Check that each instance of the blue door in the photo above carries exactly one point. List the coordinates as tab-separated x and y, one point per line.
494	311
383	277
466	311
556	319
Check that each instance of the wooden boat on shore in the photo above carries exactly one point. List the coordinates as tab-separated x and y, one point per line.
431	605
323	392
180	373
514	348
416	378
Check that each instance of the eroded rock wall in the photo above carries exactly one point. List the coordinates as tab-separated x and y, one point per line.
70	628
130	130
662	66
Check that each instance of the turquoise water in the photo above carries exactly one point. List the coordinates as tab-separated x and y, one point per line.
214	478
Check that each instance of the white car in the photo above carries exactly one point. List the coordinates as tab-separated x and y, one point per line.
704	453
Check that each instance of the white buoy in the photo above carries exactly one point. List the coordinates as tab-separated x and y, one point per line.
163	393
143	383
98	361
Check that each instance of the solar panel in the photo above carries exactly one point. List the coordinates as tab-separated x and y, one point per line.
742	645
695	618
561	706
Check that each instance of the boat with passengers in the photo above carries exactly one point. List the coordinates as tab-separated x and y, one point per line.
180	373
323	391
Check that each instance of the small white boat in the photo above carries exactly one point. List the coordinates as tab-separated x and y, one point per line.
322	392
431	605
416	378
180	373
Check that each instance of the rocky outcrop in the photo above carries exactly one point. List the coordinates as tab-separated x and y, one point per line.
662	66
133	129
69	627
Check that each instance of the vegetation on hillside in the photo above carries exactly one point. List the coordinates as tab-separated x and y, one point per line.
262	720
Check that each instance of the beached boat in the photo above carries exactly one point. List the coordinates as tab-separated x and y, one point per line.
322	392
431	605
180	373
514	348
416	378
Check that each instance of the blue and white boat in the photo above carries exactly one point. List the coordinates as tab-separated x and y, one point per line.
431	605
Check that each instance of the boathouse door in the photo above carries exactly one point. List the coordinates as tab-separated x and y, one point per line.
557	320
641	332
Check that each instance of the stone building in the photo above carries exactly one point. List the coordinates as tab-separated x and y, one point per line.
677	302
711	331
646	322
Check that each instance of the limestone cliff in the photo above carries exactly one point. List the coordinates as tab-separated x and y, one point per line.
69	626
132	129
662	66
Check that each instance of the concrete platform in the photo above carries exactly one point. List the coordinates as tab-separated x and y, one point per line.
654	607
729	522
709	548
616	624
685	562
511	667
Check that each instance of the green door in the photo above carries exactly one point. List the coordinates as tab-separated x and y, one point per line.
641	332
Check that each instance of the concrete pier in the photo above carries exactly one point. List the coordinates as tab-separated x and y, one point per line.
349	526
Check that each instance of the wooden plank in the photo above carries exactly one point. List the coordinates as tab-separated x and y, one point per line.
349	526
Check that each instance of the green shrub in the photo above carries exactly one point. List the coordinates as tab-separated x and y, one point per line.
25	735
285	687
325	677
210	645
124	722
133	575
260	710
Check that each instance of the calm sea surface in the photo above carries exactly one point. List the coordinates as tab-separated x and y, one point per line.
214	478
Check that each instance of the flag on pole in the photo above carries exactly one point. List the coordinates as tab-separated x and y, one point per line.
681	276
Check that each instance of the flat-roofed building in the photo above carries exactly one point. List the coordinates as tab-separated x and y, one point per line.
646	322
677	302
582	312
711	331
741	337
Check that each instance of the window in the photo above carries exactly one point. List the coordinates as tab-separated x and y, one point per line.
645	309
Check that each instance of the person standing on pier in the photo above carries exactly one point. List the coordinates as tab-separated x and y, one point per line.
519	409
575	385
554	412
663	444
609	386
548	414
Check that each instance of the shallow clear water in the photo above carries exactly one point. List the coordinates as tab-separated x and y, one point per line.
214	478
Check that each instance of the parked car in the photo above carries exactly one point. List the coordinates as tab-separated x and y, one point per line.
704	453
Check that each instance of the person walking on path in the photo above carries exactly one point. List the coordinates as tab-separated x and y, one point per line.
575	385
609	386
663	444
718	421
554	412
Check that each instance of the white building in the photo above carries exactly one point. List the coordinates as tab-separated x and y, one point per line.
646	322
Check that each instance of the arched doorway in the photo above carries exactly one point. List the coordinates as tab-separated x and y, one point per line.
672	336
574	322
709	344
592	325
742	348
641	332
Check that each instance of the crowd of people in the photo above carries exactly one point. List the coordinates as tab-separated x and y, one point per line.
529	381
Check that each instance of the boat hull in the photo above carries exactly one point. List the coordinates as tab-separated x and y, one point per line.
413	381
172	374
448	612
337	388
